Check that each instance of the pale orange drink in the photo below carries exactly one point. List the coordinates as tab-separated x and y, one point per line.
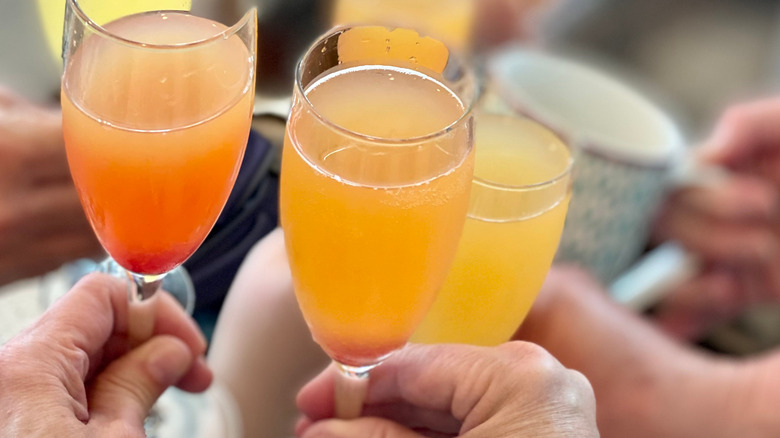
376	170
519	199
449	20
155	138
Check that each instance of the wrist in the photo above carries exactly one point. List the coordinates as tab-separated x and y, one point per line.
756	392
703	395
673	392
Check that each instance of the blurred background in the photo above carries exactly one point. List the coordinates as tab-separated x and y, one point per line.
696	56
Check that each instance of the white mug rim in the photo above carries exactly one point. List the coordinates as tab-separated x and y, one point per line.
600	144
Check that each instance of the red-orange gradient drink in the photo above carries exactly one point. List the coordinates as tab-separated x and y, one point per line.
155	137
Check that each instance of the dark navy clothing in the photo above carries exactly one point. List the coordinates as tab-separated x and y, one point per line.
251	212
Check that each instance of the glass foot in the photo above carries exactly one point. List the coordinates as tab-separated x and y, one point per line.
56	283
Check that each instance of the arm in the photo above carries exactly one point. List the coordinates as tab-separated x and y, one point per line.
646	384
262	349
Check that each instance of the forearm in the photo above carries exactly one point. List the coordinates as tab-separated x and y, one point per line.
646	384
696	395
758	389
666	389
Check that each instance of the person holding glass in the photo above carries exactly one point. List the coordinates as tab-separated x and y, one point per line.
76	376
89	382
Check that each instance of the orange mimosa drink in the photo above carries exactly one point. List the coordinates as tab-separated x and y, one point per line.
448	20
155	138
518	206
374	192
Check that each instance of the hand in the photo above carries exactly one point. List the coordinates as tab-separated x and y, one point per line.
501	21
516	389
646	385
72	373
42	224
733	226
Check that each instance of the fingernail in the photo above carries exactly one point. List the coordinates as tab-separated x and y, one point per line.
168	361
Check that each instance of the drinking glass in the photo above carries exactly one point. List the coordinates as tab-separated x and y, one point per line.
448	20
376	173
156	111
519	198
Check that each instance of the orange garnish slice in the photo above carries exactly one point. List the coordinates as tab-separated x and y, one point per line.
377	43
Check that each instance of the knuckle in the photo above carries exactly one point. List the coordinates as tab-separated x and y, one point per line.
581	389
75	360
531	358
519	350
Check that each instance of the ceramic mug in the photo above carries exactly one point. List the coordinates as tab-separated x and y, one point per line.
625	148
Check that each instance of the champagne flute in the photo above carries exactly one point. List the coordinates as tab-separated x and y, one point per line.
519	198
156	109
449	20
376	172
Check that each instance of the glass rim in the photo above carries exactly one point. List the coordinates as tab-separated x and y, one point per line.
103	32
468	107
494	185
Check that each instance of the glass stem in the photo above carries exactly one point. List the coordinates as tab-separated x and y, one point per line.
145	286
351	390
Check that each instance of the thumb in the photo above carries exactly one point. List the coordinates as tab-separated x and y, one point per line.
130	385
358	428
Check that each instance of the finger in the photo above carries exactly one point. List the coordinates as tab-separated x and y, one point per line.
43	255
129	386
451	378
718	240
198	378
168	319
33	136
359	428
172	319
414	417
8	96
744	131
46	210
740	198
700	304
104	299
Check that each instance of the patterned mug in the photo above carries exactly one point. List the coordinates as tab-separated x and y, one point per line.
625	150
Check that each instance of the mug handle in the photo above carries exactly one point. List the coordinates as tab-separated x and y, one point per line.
669	265
654	276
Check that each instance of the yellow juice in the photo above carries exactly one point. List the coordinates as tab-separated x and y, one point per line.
371	227
510	236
